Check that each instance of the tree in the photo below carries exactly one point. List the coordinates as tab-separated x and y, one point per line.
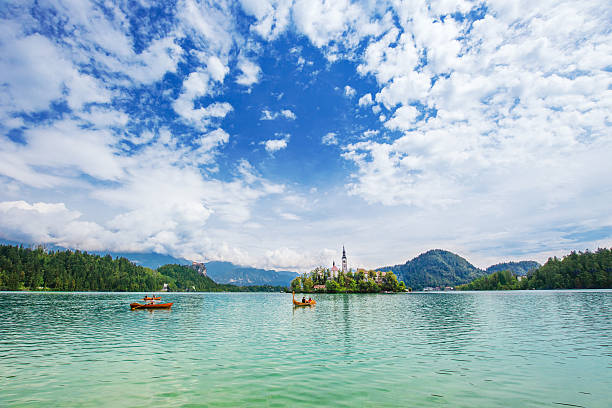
296	284
332	286
308	284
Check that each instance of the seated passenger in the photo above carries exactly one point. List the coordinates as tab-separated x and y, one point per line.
309	300
304	299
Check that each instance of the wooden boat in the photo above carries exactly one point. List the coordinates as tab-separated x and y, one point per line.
298	304
151	306
152	298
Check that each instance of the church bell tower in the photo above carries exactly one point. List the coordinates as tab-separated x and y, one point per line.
344	268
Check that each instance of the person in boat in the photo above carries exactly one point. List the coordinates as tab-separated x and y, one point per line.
309	300
304	299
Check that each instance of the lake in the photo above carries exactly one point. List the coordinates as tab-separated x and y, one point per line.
469	349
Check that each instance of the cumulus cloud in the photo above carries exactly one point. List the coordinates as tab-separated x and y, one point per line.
349	92
329	139
366	100
272	17
197	85
216	68
274	145
250	72
270	115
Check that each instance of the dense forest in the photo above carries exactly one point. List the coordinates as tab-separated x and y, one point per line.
362	281
520	268
36	269
436	267
578	270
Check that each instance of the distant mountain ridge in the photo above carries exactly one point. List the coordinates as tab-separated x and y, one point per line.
227	272
438	267
518	268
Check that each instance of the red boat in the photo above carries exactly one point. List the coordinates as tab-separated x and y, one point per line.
134	306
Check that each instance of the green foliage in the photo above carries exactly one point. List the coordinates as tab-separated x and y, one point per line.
359	282
435	268
501	280
34	269
518	268
578	270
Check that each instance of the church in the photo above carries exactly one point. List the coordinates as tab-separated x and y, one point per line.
334	269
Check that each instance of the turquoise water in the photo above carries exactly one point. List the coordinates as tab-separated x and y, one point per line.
487	349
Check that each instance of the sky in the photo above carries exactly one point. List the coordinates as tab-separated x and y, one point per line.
271	133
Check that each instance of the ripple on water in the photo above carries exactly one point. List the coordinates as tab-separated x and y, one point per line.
458	349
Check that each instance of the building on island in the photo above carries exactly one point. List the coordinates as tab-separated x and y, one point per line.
334	271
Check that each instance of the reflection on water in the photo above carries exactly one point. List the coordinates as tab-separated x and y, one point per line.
250	349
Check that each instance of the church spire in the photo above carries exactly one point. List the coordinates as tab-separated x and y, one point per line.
344	267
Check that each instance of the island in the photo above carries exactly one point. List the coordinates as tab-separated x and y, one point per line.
324	280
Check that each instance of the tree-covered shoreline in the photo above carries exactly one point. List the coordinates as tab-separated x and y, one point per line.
37	269
320	280
578	270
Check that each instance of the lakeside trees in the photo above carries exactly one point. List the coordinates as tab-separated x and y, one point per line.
35	269
320	280
578	270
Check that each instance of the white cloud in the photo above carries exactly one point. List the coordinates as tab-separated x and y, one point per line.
349	92
369	133
403	118
329	139
272	16
250	72
366	100
290	216
288	114
196	85
64	150
216	68
274	145
35	73
270	115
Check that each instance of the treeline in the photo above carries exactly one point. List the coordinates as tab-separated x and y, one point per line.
500	280
36	269
578	270
181	278
320	280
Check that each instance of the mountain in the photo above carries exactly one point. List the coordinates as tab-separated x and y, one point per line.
435	267
518	268
227	272
148	260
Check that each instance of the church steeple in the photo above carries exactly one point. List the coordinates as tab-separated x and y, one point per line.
344	267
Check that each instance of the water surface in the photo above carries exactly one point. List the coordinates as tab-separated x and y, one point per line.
478	349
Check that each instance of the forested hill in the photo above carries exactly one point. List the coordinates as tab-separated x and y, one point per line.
435	268
518	268
578	270
34	269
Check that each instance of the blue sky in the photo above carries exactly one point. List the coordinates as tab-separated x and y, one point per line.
271	133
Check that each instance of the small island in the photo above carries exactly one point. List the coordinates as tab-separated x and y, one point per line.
334	280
